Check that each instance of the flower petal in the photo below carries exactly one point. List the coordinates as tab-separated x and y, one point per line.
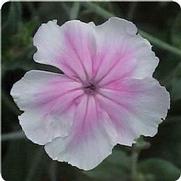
91	139
48	100
135	106
69	47
121	52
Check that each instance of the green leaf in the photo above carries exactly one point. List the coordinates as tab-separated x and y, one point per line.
14	18
176	89
17	159
176	84
176	33
166	144
159	170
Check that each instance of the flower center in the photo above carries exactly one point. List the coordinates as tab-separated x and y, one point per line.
90	88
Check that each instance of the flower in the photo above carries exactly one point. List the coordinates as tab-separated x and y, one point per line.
106	96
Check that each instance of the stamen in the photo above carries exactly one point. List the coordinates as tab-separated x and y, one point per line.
90	88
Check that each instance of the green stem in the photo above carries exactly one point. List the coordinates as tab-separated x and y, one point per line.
53	170
131	10
161	44
35	164
74	12
135	154
13	136
136	149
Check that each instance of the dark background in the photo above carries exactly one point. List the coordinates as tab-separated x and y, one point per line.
158	22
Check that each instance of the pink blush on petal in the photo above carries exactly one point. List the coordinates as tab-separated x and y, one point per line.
106	96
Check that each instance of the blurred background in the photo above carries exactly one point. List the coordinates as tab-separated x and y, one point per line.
155	159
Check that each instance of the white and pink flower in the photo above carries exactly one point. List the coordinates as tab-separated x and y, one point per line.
106	96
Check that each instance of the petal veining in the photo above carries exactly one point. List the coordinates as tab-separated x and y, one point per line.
106	96
121	52
69	47
135	106
90	140
48	102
